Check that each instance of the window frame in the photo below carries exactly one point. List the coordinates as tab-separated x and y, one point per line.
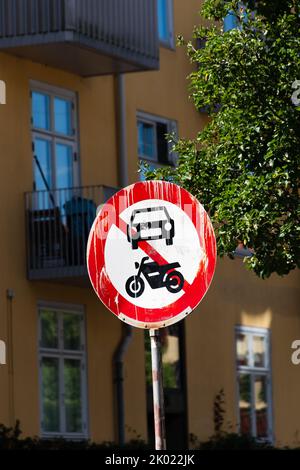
255	371
53	135
170	42
61	354
172	127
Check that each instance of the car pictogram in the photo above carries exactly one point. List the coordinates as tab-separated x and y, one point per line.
152	223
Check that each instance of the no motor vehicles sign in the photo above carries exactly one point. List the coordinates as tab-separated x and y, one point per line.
151	254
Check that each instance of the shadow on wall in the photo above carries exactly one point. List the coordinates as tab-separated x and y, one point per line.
247	295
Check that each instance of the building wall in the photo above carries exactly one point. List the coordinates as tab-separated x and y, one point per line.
98	166
236	296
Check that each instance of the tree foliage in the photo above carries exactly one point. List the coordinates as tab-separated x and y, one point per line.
244	165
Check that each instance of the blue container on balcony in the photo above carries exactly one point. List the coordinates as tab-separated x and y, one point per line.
80	214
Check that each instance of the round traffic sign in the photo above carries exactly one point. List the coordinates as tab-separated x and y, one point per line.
151	254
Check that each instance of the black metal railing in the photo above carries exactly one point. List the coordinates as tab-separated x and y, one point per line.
58	223
123	29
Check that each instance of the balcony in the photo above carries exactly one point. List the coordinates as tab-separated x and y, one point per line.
57	228
85	37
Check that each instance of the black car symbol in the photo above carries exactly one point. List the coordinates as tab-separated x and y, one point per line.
152	223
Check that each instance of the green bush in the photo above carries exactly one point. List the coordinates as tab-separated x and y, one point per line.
10	439
233	441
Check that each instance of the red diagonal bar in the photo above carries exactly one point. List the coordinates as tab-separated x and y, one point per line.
147	248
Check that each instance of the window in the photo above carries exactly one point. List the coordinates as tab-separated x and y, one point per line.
62	372
174	381
54	143
254	382
172	362
153	147
165	22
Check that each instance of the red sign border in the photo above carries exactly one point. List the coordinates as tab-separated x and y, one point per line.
194	292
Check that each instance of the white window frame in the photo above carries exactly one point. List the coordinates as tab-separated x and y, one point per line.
62	354
54	136
255	371
172	127
169	43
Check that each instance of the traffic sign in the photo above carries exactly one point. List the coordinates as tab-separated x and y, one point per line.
151	254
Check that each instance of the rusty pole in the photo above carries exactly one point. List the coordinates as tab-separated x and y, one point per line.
158	392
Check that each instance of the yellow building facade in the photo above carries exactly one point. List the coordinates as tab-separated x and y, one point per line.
239	338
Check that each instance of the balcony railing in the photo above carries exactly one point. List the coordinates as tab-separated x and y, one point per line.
57	226
86	37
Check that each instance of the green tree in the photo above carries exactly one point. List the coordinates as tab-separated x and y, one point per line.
244	165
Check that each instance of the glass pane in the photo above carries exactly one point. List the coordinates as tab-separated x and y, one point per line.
42	165
41	111
146	141
245	403
72	378
72	328
259	351
49	329
242	349
63	116
50	394
162	10
171	356
260	390
64	166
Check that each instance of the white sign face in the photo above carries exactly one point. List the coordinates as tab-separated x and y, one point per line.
185	250
151	254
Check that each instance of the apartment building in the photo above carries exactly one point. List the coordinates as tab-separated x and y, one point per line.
92	87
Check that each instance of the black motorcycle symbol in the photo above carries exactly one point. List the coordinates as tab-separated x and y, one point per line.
157	276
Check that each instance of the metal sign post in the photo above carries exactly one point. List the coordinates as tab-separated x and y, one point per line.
158	391
164	241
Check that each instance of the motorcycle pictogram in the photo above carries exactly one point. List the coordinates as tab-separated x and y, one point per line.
156	275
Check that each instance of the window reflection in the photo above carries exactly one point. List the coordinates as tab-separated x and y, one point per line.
245	403
171	357
146	140
259	351
49	329
260	391
73	401
170	343
253	369
63	116
50	394
72	331
42	169
242	350
40	111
